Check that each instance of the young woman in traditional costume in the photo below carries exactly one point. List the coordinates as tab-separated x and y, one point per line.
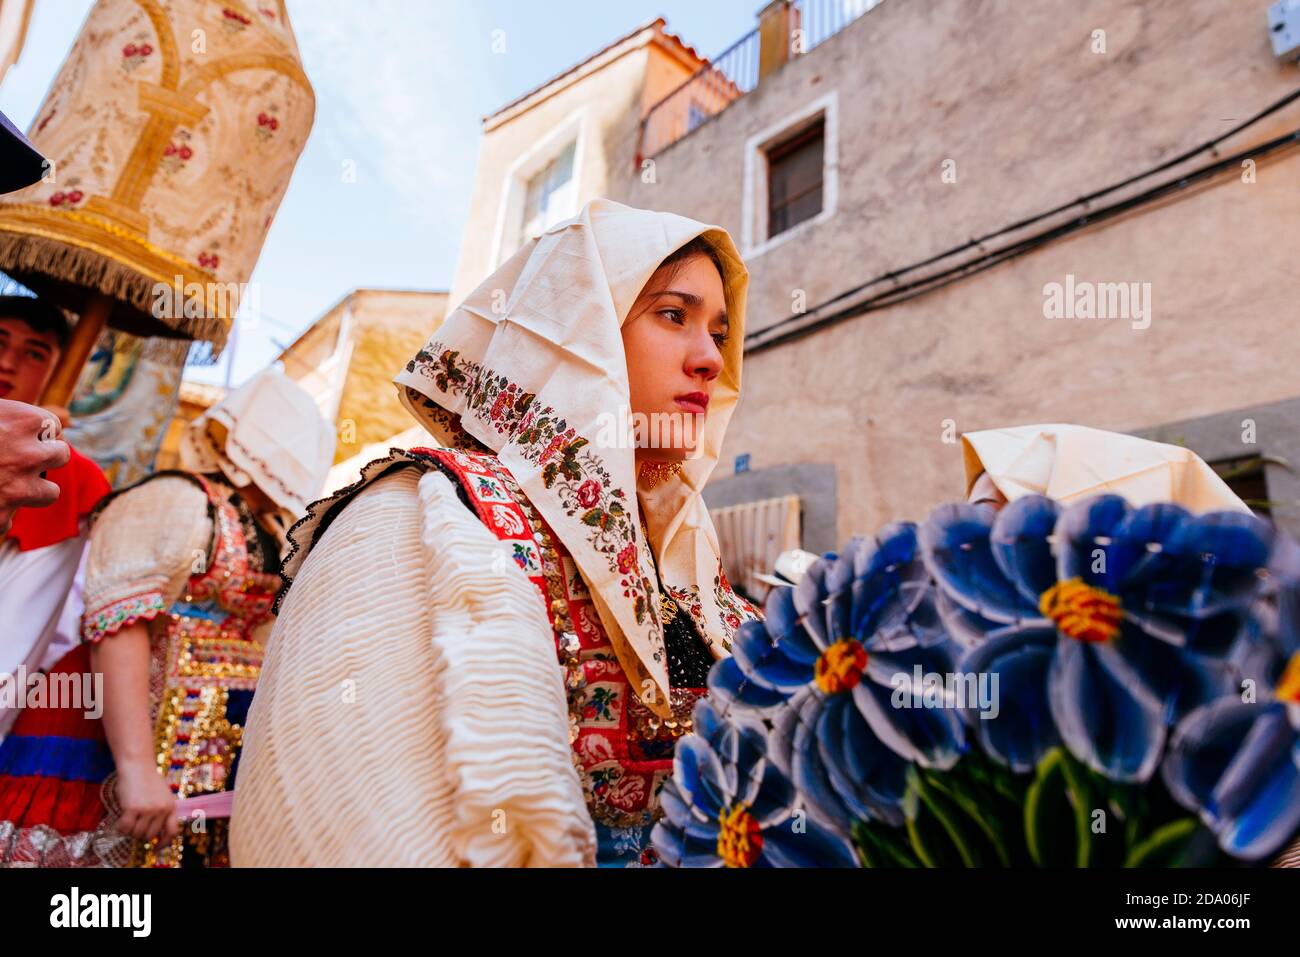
490	646
181	577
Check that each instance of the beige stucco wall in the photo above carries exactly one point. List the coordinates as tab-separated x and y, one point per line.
1032	117
388	328
194	400
385	328
610	99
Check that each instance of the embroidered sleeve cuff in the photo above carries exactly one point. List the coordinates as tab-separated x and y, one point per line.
97	624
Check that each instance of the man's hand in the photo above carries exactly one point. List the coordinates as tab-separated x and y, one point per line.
29	447
59	412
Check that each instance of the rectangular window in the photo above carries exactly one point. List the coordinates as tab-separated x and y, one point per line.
548	196
794	179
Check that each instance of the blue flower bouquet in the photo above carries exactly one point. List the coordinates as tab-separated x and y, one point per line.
1092	685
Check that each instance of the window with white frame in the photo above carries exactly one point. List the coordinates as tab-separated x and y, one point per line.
549	197
791	176
794	178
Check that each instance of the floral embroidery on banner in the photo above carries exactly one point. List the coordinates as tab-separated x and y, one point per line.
176	155
267	123
568	465
234	21
133	54
69	197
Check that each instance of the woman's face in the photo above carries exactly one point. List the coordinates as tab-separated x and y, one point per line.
673	341
984	492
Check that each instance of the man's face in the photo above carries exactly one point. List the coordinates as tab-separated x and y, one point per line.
27	360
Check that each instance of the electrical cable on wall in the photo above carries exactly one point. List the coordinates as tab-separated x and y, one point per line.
807	322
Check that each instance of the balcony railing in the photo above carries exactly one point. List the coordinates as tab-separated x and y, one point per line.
736	70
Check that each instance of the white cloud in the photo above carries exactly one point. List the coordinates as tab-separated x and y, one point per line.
392	80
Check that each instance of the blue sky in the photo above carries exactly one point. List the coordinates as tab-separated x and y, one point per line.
401	88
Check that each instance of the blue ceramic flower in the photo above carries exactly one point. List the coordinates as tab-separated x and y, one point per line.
1236	760
834	670
1105	624
728	805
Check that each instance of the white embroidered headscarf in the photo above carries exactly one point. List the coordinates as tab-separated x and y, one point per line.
269	433
531	365
1073	462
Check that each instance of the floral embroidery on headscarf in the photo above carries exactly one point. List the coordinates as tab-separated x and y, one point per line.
449	422
734	608
569	466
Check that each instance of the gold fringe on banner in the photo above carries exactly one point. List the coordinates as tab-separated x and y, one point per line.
49	265
167	351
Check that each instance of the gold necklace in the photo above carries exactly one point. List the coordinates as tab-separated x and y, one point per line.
653	473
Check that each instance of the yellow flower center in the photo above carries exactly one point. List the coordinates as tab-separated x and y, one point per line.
1288	686
841	666
1081	611
740	841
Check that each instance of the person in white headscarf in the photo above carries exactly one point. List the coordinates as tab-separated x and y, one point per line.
489	648
180	581
1069	463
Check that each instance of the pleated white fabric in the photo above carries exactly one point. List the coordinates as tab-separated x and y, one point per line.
411	710
1289	857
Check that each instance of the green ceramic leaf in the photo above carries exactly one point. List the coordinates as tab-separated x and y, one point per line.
1083	799
1165	847
1056	821
975	811
964	835
884	846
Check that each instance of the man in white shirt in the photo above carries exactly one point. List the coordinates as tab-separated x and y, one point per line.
41	548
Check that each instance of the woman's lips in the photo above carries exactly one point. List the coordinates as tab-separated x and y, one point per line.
696	403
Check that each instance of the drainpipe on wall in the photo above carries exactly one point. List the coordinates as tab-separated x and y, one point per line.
776	25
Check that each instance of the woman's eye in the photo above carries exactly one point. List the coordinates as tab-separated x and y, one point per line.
720	339
675	315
